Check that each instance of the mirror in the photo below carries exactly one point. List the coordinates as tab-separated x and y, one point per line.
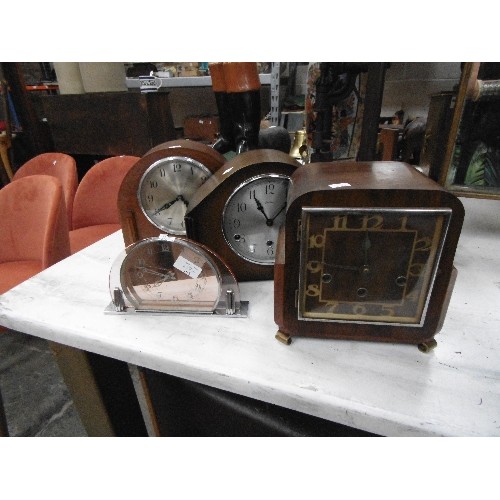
472	162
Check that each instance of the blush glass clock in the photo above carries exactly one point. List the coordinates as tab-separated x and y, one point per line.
252	216
167	274
369	265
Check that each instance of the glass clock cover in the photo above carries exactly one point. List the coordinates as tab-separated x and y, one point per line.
369	265
166	189
252	217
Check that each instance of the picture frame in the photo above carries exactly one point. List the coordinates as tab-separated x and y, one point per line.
471	166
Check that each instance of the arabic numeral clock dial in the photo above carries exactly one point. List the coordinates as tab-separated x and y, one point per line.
165	190
369	265
366	253
253	215
155	194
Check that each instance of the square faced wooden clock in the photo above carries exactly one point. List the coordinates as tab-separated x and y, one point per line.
366	253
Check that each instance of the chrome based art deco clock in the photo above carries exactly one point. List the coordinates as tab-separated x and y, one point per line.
156	192
366	253
168	274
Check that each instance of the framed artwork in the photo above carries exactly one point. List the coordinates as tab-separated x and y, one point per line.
472	161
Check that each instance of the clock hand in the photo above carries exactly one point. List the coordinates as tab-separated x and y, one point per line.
169	274
169	204
260	208
181	198
280	210
164	207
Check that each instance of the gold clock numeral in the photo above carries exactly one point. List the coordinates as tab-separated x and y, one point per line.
372	222
389	311
423	244
317	241
312	291
340	222
359	309
416	269
314	266
332	305
404	221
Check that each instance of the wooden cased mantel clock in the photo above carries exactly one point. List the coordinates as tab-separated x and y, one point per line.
366	253
154	195
239	210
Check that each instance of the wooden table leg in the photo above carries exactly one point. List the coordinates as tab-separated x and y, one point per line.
103	392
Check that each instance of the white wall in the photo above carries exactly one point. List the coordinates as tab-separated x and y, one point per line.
409	86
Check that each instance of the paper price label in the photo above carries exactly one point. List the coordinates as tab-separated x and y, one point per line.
187	267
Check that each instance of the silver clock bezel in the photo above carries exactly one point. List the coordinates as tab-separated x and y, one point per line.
154	166
235	191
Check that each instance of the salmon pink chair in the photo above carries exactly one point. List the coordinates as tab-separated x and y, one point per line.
58	165
33	228
33	235
95	210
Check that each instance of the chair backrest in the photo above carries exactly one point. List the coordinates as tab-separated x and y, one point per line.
59	165
33	222
96	198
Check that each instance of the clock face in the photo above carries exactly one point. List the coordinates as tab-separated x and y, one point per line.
166	188
369	265
169	275
252	216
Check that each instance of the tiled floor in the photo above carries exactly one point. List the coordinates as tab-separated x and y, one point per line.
36	400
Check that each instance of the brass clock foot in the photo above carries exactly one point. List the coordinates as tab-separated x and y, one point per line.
427	346
283	337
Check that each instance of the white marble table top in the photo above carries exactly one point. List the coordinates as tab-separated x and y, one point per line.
388	389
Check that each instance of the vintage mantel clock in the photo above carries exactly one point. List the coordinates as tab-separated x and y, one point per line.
366	253
239	210
155	193
169	274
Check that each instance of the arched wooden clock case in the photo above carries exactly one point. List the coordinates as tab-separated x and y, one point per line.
135	221
238	211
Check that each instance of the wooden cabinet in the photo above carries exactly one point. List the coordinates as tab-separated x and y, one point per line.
107	123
